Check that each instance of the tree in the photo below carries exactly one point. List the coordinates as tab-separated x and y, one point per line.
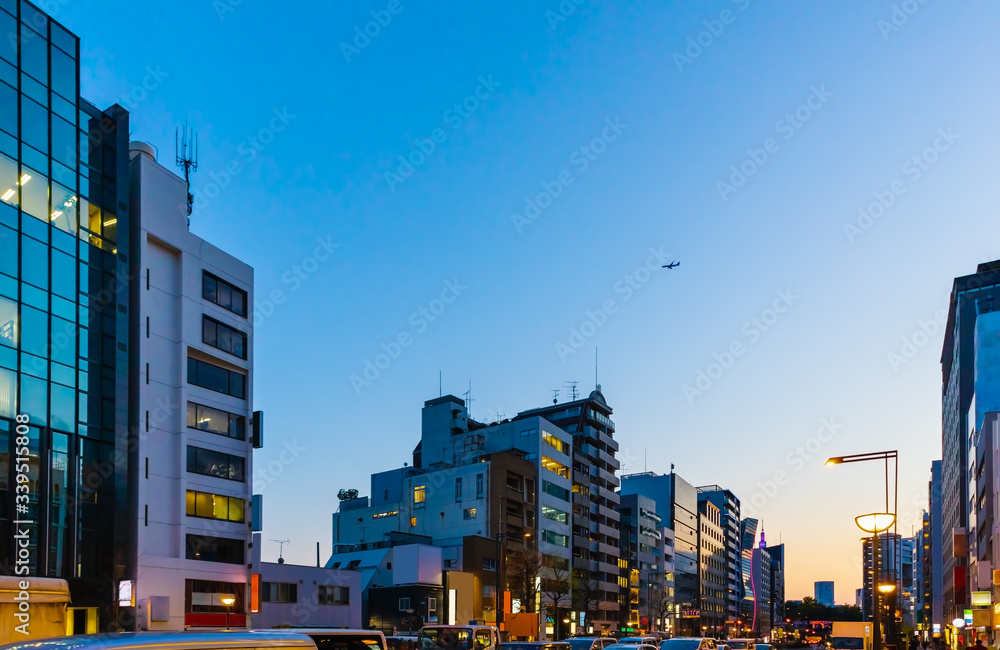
587	596
556	588
523	568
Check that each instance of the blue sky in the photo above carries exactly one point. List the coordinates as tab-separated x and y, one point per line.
310	133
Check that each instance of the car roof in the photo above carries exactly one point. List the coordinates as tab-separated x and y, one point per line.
128	640
314	630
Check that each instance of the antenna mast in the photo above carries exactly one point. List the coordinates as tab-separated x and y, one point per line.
281	547
571	386
186	151
555	395
468	400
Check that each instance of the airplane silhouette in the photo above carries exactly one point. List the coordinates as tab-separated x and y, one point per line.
671	265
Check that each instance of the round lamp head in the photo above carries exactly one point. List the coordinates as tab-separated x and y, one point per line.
875	522
959	623
887	588
228	600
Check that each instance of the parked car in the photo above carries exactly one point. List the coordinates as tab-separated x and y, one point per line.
279	640
741	644
590	642
689	643
638	640
631	646
331	638
461	637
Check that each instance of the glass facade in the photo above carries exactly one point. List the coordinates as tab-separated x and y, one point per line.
64	312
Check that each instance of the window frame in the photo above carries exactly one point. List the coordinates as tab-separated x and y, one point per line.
229	463
207	322
219	282
234	418
230	374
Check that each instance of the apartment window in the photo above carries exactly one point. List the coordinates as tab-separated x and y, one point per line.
555	515
224	423
212	377
555	490
489	564
215	549
222	336
225	295
404	604
419	495
480	482
555	443
527	432
215	506
529	490
469	513
413	522
279	592
458	489
555	467
215	463
331	595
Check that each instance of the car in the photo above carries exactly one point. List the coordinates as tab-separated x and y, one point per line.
278	640
630	646
535	645
689	643
638	640
590	642
331	638
723	646
741	644
463	637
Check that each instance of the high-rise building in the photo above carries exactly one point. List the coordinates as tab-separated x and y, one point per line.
677	503
823	593
712	579
748	589
67	259
935	582
729	506
777	603
971	388
642	551
894	565
193	331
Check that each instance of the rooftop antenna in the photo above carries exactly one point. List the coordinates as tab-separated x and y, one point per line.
440	393
468	400
573	393
555	395
597	383
186	149
281	547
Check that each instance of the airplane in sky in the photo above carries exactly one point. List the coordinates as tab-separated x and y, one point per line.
671	265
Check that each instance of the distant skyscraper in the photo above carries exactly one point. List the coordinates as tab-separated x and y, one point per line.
823	593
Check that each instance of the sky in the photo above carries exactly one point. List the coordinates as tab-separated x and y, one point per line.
497	184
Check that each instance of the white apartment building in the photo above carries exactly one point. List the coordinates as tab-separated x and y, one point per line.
196	422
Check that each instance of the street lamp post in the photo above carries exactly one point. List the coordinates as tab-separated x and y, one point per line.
886	456
228	601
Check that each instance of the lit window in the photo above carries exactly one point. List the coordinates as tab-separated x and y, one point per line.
555	443
555	467
419	494
469	513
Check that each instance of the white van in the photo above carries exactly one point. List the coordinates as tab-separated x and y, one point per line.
170	641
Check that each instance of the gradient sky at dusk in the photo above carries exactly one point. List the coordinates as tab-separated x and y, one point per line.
878	98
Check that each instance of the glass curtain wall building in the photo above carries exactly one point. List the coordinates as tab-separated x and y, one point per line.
64	318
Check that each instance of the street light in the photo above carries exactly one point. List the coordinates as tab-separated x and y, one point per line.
876	523
228	600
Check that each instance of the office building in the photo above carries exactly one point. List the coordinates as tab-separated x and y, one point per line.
641	549
729	507
677	504
971	388
823	593
935	582
712	579
777	586
67	256
193	334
